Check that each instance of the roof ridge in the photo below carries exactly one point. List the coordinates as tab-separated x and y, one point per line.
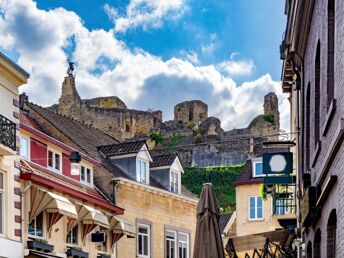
74	119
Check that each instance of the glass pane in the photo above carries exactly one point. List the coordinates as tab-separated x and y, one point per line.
88	175
75	235
1	181
1	212
143	171
50	158
145	245
183	237
259	168
32	227
143	230
39	225
259	207
252	208
140	246
170	235
82	173
24	147
168	249
57	161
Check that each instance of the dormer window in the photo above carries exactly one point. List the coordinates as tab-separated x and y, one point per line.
54	160
86	175
257	167
141	171
174	182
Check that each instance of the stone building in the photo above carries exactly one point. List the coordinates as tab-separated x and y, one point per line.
312	75
199	139
11	78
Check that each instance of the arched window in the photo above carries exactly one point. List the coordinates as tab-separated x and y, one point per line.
309	249
332	235
308	124
317	96
316	244
330	50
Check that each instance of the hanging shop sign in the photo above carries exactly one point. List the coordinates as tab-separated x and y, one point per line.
278	163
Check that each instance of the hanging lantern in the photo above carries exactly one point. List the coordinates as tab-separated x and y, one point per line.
75	158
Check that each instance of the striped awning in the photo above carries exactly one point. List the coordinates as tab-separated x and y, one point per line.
120	228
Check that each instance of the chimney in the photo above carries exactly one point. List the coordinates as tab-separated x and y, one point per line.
23	98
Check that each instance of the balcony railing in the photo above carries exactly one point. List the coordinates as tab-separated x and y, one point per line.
7	133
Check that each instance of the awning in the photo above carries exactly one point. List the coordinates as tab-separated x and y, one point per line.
257	241
120	228
52	203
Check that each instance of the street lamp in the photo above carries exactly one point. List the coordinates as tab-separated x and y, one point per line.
75	158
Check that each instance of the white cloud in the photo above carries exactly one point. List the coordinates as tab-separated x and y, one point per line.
235	67
106	66
146	13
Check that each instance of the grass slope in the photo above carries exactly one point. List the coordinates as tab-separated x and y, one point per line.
222	178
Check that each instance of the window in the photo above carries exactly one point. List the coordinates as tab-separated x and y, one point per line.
2	191
141	170
183	245
330	50
174	182
143	241
257	165
317	96
36	226
54	160
72	236
102	246
281	207
171	244
332	235
316	245
24	147
86	175
255	208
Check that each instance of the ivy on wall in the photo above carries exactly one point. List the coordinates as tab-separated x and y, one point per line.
222	178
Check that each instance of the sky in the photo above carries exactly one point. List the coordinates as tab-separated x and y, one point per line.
152	54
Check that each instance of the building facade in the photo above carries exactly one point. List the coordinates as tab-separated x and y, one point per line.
11	78
147	186
312	74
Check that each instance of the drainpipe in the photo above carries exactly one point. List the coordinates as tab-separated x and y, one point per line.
114	190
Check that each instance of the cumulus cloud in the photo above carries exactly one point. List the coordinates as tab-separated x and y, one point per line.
105	66
234	67
146	13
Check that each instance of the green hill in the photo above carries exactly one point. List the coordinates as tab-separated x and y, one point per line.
222	178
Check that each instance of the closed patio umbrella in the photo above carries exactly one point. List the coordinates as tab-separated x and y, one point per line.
208	241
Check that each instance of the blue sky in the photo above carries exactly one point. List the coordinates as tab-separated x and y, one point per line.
149	50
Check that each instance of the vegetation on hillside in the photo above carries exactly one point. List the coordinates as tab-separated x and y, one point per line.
222	178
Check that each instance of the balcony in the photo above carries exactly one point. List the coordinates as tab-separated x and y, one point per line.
7	136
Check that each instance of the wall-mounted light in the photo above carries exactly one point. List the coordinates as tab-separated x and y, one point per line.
75	158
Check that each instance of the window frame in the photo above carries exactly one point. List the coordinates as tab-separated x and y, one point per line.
148	227
43	227
53	168
175	190
27	138
77	237
2	208
254	162
255	208
138	171
187	244
176	241
91	175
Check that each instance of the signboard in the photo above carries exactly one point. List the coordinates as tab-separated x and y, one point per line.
278	163
308	206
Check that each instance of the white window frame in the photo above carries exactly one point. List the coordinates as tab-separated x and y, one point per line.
172	174
175	242
148	227
91	176
43	227
28	147
254	162
77	237
3	214
138	171
183	242
255	208
54	164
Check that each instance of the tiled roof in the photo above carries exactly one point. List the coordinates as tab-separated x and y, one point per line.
85	136
245	176
163	160
224	219
28	121
185	192
121	148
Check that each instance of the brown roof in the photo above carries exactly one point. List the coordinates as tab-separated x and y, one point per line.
121	148
28	121
224	219
85	136
163	160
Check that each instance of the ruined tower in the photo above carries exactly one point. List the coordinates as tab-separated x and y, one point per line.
70	101
271	108
194	111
